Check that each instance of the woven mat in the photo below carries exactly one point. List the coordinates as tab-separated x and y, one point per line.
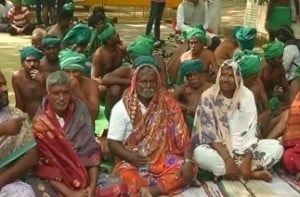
289	179
234	189
212	189
260	189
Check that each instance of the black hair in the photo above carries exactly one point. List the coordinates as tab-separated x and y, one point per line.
95	18
284	33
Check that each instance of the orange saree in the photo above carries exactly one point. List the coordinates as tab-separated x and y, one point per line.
163	130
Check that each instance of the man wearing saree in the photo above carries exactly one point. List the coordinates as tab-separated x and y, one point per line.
17	147
291	140
69	156
148	118
226	120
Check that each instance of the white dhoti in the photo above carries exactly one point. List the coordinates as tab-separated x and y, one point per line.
267	153
17	189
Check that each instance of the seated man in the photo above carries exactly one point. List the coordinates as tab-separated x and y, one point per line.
193	13
37	37
189	93
291	140
82	87
290	57
250	63
242	38
19	19
69	156
28	82
108	56
148	134
63	23
5	6
140	50
77	39
273	76
17	147
197	40
50	62
226	121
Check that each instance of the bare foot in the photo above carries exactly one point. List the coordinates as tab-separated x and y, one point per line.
297	177
262	175
145	192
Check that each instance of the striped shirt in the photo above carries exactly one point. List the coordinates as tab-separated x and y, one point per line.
18	18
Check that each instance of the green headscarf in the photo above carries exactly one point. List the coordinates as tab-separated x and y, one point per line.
141	46
71	60
249	62
146	59
51	41
246	36
195	32
68	7
188	67
79	34
30	51
108	31
273	50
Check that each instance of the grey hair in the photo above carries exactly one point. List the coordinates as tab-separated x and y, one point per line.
57	78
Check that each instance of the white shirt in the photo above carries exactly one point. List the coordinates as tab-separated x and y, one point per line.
61	121
180	16
120	126
291	56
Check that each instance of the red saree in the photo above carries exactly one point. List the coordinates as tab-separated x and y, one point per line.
66	153
162	128
291	138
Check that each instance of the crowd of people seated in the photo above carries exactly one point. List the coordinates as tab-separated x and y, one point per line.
230	110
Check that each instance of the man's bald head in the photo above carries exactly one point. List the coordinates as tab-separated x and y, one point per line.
37	36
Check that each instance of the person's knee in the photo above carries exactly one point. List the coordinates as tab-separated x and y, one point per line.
208	159
287	159
114	93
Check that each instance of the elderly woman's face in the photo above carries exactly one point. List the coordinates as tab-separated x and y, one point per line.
59	97
227	81
146	83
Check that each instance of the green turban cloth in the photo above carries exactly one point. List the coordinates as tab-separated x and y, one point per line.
68	7
108	31
142	46
71	60
142	60
51	41
194	32
246	36
273	50
79	34
188	67
30	52
249	61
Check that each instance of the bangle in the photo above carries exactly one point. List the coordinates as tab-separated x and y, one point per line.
186	160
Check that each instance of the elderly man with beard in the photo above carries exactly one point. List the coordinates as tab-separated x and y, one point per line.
29	82
17	147
51	47
148	134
